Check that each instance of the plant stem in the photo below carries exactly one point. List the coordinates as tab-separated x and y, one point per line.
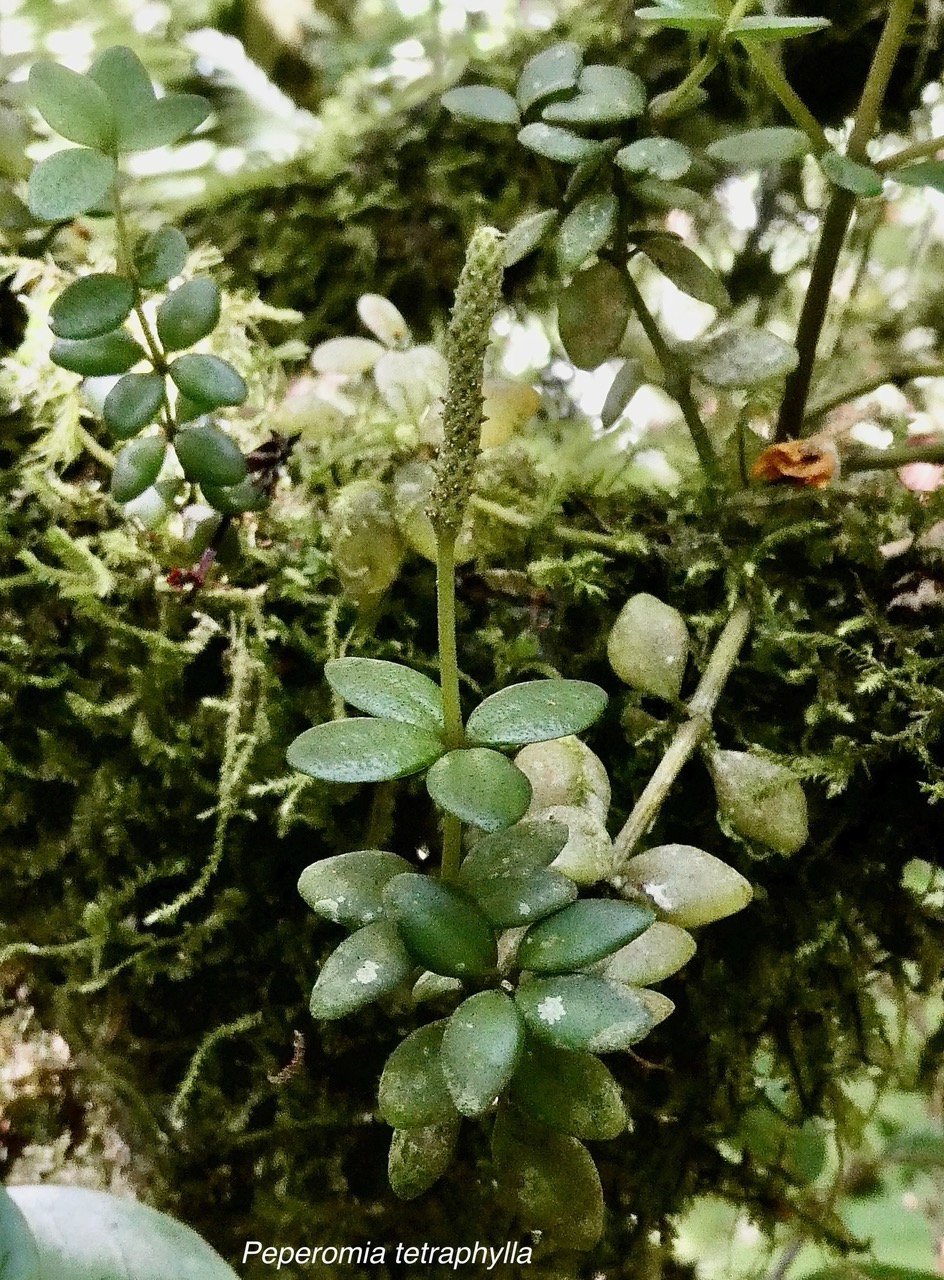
676	101
678	386
687	739
577	537
898	377
836	224
449	683
917	151
770	71
892	459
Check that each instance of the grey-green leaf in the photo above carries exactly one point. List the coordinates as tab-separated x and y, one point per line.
629	378
413	1092
419	1157
133	402
124	79
91	305
687	18
661	157
554	143
367	965
745	357
520	898
161	257
687	886
363	749
592	314
648	646
860	179
757	148
208	381
189	313
577	1011
525	236
761	800
585	230
72	104
535	711
89	1235
347	889
481	1046
568	1091
137	466
69	183
209	456
929	173
100	357
530	845
580	934
552	71
166	121
606	95
234	499
482	103
442	927
19	1259
763	29
387	689
687	271
479	786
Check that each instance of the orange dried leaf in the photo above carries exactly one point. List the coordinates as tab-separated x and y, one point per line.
801	462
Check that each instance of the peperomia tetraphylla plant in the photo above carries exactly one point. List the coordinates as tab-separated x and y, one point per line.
532	981
135	325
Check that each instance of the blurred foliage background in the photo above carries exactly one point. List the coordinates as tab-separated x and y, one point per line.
155	959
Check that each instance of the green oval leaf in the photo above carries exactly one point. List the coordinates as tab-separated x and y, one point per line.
648	646
441	926
209	456
89	1235
662	157
629	378
419	1157
929	173
133	402
554	143
586	229
745	357
363	749
137	466
757	148
552	71
535	711
166	121
661	951
551	1178
413	1092
347	889
571	1092
480	1049
481	103
860	179
208	381
479	786
234	499
520	899
72	104
69	183
530	845
108	354
683	18
90	306
387	689
687	271
525	236
189	313
124	79
161	257
367	965
764	30
578	935
592	314
578	1011
19	1259
606	95
761	800
687	886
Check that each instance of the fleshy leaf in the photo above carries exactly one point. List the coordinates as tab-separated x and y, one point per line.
482	103
765	29
208	381
413	1092
662	157
133	402
166	121
629	378
513	900
161	257
568	1091
592	314
209	456
91	305
480	786
72	104
525	236
687	271
687	18
687	886
108	354
419	1157
586	229
347	889
929	173
606	95
507	873
535	711
580	934
387	689
648	646
69	183
124	79
363	749
530	845
552	71
554	143
761	800
443	928
578	1011
480	1049
658	953
860	179
745	357
137	466
757	148
367	965
234	499
189	313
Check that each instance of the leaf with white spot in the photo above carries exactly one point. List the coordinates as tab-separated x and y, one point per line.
578	1011
347	889
367	965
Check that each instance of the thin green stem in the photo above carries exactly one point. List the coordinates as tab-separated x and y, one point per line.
897	377
576	537
449	683
917	151
687	739
770	71
678	386
675	102
836	224
892	459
